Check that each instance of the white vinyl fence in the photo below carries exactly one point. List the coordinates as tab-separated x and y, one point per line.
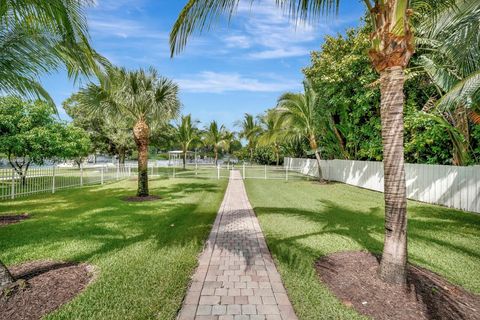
50	179
451	186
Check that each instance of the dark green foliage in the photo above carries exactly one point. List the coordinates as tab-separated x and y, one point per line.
265	155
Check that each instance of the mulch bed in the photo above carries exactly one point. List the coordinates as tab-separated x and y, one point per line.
12	218
41	287
141	199
352	276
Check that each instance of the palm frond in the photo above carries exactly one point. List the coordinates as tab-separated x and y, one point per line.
198	15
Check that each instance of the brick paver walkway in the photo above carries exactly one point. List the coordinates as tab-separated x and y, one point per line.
236	278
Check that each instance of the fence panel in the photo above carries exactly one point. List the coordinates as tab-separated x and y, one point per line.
14	184
451	186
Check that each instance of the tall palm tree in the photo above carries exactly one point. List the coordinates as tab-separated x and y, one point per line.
391	50
186	134
273	133
296	111
143	97
37	37
249	130
214	137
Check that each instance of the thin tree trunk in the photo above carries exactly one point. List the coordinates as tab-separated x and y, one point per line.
216	155
5	276
141	133
184	159
314	146
121	156
394	258
251	155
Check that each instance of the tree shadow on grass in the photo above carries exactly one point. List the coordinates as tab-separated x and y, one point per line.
426	224
99	217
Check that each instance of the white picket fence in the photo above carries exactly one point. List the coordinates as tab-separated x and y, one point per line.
451	186
53	178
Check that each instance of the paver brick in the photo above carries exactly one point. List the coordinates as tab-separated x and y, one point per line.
236	278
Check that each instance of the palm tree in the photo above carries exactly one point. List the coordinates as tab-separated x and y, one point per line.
449	48
296	111
273	132
37	37
186	134
390	53
143	97
249	130
214	137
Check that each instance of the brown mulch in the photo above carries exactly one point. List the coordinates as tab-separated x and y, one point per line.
41	287
352	276
141	199
12	218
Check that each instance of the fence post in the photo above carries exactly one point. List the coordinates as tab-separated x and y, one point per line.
13	184
101	176
286	173
118	168
81	174
265	172
244	171
53	179
152	168
218	172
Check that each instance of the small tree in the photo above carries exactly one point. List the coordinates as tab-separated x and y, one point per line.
186	135
214	137
297	113
249	130
30	134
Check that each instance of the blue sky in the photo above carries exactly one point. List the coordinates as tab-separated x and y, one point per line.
236	68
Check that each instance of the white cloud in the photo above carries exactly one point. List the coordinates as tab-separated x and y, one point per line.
237	41
123	28
214	82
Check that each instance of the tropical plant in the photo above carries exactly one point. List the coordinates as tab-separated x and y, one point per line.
214	137
186	134
37	37
449	46
249	130
392	46
296	111
144	98
273	133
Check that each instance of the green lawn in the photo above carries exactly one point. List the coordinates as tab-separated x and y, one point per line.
303	220
144	252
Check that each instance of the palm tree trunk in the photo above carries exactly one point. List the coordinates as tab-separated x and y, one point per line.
394	258
215	151
5	276
121	157
251	155
314	146
184	159
141	133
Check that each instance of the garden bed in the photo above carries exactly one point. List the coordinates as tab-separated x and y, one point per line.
41	287
352	277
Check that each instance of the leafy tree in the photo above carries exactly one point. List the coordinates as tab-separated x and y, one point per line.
249	130
109	133
40	36
214	137
392	46
187	134
30	134
142	97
